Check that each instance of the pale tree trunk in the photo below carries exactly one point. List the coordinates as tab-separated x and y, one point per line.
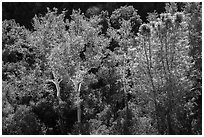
77	86
77	81
57	86
79	109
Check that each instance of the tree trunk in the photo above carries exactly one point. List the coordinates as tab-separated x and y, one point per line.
57	86
59	111
169	93
169	126
79	109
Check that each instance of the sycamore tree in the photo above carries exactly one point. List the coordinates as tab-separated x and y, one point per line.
76	51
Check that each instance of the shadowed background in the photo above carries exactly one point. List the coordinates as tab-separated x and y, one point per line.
23	12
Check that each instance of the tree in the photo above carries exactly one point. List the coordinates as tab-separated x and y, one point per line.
104	75
165	51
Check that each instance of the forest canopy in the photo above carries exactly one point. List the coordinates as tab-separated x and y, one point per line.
104	73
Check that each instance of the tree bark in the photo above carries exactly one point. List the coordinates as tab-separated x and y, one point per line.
57	86
79	109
